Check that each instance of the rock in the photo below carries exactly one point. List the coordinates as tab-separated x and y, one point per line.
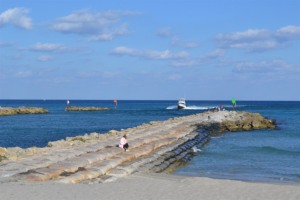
113	133
58	143
2	151
94	135
31	151
77	108
22	110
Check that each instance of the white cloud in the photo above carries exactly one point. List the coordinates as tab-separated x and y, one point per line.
174	77
175	41
165	32
99	74
44	58
162	55
53	48
17	17
258	39
48	47
24	74
149	54
109	35
289	32
199	61
185	62
265	67
214	54
178	58
124	51
98	25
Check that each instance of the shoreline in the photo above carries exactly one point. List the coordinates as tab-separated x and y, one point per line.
152	186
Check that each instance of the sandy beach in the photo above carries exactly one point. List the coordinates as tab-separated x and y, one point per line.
152	186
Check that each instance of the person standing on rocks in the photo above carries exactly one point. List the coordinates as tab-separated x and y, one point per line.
123	143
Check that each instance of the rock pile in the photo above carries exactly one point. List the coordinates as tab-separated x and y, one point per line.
77	108
21	110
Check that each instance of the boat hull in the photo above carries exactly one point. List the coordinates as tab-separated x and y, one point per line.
180	107
181	103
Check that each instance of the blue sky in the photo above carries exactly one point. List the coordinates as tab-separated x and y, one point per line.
142	49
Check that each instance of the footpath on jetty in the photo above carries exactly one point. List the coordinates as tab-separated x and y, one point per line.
94	158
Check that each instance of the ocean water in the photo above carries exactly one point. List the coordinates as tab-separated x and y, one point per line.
262	155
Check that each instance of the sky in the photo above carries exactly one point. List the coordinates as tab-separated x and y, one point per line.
150	49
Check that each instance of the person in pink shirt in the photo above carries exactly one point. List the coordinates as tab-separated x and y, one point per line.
123	143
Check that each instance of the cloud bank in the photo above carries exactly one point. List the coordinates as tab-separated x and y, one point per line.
266	67
149	54
254	40
16	16
97	25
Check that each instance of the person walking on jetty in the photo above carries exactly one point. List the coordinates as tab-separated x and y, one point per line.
123	143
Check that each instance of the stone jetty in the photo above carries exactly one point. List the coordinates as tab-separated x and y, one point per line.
78	108
154	147
21	110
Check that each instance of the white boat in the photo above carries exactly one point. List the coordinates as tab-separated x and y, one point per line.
181	103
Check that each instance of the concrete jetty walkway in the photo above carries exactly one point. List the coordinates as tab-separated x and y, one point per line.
93	158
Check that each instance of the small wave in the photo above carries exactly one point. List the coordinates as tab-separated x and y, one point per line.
269	149
196	108
195	149
171	107
191	108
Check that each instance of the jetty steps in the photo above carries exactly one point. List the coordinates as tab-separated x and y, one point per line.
94	158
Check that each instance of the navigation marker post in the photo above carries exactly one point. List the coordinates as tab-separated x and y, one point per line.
233	101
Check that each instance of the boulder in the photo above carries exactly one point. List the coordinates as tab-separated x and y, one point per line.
2	151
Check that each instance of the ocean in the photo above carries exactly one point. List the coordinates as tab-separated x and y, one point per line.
261	155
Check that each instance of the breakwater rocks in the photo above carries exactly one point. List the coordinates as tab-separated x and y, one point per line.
77	108
21	110
154	147
244	122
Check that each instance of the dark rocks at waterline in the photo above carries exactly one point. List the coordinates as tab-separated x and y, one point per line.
77	108
244	122
21	110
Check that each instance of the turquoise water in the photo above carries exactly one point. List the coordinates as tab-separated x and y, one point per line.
263	155
266	155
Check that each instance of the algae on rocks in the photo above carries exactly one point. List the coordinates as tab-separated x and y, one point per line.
21	110
77	108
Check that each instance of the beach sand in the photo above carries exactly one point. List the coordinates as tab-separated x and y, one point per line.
151	186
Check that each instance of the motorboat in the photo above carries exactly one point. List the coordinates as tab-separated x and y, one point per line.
181	103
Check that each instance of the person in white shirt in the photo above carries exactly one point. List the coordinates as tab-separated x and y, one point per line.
123	143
